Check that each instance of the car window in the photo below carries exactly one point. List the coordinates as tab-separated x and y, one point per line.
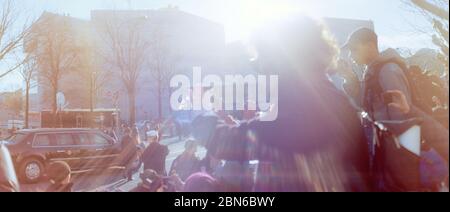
41	140
83	139
99	140
63	139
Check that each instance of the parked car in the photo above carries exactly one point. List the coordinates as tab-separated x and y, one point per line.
83	149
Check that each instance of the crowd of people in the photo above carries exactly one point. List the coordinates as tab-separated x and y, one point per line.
328	136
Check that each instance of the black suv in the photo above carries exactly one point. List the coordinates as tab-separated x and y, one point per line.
82	149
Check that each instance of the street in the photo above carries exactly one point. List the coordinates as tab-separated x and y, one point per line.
113	179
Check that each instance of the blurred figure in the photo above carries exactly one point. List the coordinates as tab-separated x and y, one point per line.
146	128
187	163
317	142
122	129
59	175
137	138
8	178
129	153
154	156
135	135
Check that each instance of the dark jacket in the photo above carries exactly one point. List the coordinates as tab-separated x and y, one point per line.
154	157
185	165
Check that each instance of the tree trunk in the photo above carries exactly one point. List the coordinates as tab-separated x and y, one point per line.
159	100
132	105
54	107
27	105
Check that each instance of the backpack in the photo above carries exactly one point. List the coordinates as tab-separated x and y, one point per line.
393	167
423	86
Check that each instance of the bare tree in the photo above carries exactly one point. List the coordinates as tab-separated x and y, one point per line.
28	73
54	46
11	34
127	51
436	11
91	71
13	103
162	63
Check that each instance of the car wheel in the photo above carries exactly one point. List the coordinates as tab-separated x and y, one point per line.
31	170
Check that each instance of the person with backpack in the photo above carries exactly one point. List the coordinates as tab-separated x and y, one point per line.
393	167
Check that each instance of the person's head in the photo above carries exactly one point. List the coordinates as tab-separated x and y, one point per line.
152	136
363	46
59	172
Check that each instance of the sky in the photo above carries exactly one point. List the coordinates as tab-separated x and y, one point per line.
394	21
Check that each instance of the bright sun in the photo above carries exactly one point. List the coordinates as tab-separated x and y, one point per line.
250	14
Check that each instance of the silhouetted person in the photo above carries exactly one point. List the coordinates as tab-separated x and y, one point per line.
129	152
8	178
386	73
187	163
154	156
